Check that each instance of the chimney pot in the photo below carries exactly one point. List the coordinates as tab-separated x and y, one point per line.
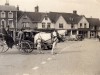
74	12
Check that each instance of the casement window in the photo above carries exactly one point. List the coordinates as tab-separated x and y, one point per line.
26	24
10	23
3	14
48	25
43	25
60	25
72	26
85	25
10	14
25	17
3	23
80	25
71	19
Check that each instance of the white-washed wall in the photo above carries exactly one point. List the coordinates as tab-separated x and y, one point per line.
83	21
46	22
62	20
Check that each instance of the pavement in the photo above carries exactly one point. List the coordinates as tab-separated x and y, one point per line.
72	58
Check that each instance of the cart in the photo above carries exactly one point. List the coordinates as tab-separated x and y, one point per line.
26	45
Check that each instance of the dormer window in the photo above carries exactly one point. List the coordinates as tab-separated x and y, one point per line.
3	15
71	19
10	15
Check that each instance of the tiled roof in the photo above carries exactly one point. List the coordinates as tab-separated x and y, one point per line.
53	16
8	8
93	21
35	16
70	18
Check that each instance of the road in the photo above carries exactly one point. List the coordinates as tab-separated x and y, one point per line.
72	58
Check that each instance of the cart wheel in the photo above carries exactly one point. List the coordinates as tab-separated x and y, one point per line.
25	46
3	46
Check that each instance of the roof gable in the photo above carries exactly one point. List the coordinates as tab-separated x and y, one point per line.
83	19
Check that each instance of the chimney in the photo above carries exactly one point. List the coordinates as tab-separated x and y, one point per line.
74	12
7	2
17	8
37	9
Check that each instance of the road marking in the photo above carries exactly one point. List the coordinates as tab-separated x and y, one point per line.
43	62
25	74
49	59
35	68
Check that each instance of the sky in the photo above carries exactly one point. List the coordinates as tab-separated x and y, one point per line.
89	8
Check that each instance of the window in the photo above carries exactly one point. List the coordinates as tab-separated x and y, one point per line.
71	19
48	25
3	23
10	15
25	17
72	26
80	25
84	25
10	23
43	25
26	24
3	15
60	25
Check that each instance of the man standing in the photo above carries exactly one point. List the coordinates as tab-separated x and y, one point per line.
55	40
20	35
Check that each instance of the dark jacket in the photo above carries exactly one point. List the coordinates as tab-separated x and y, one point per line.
9	40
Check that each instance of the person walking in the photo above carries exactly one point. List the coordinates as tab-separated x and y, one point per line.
55	40
39	41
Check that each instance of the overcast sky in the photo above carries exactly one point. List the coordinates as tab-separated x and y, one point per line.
83	7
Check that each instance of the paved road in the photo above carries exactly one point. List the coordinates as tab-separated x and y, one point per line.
74	58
